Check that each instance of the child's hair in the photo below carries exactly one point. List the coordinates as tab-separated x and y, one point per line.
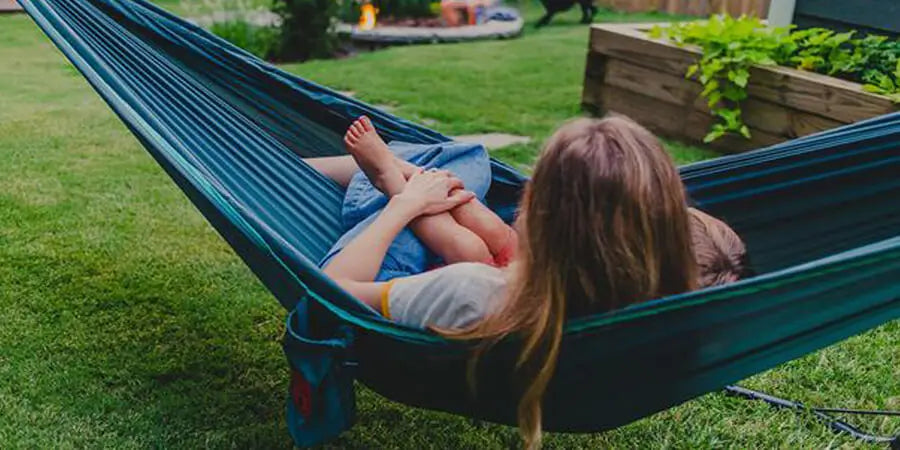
603	224
720	253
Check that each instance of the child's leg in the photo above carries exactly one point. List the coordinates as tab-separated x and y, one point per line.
500	238
440	233
338	168
342	168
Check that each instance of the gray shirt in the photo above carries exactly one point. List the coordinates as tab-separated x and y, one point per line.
452	297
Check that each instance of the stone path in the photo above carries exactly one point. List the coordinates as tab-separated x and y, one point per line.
493	141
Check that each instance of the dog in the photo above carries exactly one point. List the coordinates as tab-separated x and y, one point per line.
588	10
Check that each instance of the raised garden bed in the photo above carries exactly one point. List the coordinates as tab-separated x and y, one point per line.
643	78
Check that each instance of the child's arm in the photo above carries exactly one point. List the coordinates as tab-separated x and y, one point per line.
355	267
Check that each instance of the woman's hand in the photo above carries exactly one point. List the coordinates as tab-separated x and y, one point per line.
433	192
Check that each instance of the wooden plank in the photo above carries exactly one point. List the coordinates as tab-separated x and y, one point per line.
777	120
652	83
698	124
594	78
629	43
666	119
701	8
826	96
658	116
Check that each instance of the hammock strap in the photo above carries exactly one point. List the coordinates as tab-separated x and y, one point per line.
836	425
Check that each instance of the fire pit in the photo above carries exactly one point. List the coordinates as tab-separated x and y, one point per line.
460	20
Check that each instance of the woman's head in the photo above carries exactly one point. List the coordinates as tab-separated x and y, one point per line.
606	209
603	224
720	253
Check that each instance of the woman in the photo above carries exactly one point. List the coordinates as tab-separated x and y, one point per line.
602	224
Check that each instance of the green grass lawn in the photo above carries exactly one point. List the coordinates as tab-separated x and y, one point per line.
126	322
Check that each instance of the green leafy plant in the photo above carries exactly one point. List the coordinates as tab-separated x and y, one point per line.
307	28
884	84
258	40
731	46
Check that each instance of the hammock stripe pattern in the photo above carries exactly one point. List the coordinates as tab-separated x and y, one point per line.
820	216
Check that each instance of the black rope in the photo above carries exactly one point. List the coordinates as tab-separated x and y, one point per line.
835	424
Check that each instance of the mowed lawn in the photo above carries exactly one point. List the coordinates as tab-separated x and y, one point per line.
126	322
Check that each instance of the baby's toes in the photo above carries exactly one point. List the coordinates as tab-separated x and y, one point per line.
359	129
366	123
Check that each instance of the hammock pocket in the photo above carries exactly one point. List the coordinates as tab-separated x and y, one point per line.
820	216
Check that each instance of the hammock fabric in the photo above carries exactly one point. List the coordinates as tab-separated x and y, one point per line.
820	216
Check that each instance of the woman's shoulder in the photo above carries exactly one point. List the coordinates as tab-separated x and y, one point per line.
471	269
454	296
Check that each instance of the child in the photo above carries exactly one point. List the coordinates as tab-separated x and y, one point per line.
721	255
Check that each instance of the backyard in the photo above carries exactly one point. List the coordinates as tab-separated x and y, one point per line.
127	322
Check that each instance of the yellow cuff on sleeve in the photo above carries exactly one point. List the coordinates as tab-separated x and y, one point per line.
386	299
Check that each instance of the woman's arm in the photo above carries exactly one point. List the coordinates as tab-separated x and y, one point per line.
355	267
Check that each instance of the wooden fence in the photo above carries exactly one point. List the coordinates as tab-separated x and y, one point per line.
758	8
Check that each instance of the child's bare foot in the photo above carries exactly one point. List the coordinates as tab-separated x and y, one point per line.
374	157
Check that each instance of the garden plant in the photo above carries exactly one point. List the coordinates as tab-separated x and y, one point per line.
731	46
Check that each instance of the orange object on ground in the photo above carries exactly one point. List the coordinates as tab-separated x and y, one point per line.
452	11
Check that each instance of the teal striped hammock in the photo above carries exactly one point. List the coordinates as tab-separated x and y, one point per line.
820	215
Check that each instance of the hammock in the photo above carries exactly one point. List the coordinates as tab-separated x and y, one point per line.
820	216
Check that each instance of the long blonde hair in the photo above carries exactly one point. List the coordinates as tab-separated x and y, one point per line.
603	224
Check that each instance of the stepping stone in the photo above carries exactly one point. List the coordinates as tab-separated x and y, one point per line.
493	141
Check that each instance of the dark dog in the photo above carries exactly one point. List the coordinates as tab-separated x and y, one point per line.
555	6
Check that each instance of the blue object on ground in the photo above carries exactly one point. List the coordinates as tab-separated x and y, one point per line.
501	13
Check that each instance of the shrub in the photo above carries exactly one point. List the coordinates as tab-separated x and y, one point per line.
404	8
731	46
260	41
348	10
307	28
